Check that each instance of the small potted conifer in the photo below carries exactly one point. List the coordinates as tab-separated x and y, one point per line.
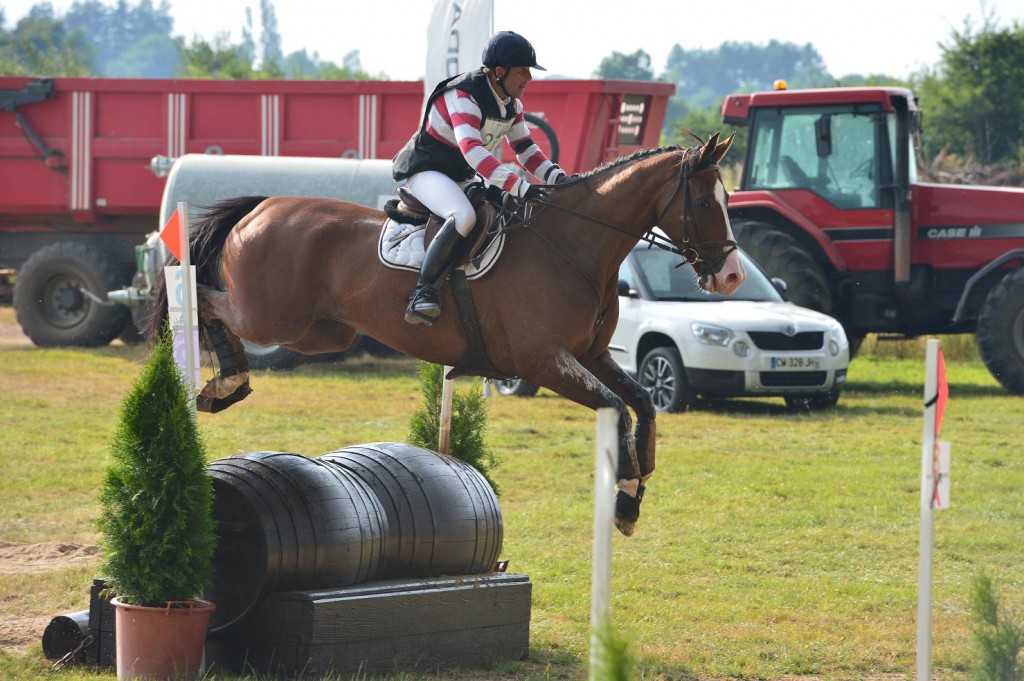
157	527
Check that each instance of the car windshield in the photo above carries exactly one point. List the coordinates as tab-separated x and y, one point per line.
666	281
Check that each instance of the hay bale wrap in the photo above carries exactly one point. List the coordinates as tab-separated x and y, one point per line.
443	517
286	521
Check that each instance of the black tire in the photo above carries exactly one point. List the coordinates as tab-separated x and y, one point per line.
662	375
1000	332
549	133
780	255
516	386
50	305
272	357
813	401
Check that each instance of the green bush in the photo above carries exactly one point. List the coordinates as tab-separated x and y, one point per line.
156	502
998	639
469	422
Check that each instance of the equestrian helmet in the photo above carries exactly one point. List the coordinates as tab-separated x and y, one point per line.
508	49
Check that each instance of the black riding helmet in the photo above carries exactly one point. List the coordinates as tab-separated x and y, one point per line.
509	49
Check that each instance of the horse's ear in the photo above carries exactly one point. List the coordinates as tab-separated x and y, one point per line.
722	148
708	150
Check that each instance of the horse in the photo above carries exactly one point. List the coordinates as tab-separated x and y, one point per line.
302	273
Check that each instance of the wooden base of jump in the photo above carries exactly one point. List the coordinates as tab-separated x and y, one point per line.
381	627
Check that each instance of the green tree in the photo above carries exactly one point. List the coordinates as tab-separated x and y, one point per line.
156	502
972	104
127	40
468	423
221	59
270	41
41	45
635	66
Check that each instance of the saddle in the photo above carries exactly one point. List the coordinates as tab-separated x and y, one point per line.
407	209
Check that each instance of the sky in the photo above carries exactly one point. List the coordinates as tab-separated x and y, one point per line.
571	37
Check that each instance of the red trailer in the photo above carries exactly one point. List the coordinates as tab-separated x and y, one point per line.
83	159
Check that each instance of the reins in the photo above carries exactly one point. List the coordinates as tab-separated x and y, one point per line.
511	218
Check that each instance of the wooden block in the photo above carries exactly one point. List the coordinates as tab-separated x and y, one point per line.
382	626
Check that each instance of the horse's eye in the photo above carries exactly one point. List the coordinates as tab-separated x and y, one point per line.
703	202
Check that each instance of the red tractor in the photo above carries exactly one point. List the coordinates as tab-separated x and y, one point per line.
830	201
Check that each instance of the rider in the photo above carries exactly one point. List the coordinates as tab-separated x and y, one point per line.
466	119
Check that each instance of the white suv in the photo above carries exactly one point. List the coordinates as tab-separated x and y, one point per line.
681	343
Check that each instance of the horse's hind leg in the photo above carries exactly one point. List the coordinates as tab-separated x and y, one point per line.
231	384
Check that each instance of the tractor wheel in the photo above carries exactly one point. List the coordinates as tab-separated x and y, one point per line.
1001	332
50	303
782	256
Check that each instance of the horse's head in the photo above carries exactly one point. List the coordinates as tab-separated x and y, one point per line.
696	218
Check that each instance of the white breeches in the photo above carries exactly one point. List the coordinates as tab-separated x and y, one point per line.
444	197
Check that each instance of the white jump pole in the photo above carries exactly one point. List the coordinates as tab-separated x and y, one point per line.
604	515
189	325
444	431
924	584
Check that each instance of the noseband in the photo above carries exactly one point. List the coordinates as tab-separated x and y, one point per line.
690	254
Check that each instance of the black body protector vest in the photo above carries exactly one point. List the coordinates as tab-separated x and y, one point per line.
424	152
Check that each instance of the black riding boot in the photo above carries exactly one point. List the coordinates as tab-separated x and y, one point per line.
425	303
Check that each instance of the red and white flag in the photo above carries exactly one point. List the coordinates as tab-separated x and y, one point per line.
171	233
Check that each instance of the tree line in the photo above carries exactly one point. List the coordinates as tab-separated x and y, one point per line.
137	41
972	104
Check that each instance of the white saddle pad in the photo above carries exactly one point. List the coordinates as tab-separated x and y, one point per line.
401	248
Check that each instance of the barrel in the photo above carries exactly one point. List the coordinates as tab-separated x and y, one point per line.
443	517
286	521
65	634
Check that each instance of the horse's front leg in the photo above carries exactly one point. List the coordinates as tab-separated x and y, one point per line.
639	400
578	383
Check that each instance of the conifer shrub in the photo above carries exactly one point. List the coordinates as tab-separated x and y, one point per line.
158	534
998	637
469	422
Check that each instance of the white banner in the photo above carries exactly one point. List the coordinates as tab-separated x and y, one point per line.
178	321
456	37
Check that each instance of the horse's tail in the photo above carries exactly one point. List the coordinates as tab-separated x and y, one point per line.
206	242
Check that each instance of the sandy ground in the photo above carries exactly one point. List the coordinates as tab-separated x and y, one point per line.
10	332
18	632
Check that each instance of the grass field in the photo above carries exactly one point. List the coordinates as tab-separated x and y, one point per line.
772	545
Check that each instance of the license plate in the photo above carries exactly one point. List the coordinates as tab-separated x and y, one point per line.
795	363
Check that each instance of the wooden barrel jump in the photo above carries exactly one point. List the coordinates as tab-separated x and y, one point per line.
443	517
286	521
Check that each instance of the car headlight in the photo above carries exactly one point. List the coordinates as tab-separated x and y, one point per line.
712	335
836	341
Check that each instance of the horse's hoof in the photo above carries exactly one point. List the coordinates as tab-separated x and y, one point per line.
626	527
627	510
211	404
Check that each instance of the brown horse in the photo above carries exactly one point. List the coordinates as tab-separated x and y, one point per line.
303	273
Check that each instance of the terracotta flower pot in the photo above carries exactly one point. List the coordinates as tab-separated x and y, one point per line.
161	643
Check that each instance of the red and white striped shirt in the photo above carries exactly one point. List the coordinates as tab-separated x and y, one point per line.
455	120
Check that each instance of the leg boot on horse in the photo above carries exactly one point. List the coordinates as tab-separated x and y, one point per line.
425	303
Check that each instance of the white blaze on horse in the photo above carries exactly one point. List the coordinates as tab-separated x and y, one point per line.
303	273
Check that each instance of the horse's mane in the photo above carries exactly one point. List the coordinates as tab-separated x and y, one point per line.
639	155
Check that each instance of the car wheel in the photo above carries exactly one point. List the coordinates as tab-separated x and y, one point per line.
516	386
663	376
813	401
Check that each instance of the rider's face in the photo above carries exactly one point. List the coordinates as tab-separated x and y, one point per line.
516	80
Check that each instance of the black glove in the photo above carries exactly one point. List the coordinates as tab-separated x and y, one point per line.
563	178
533	192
